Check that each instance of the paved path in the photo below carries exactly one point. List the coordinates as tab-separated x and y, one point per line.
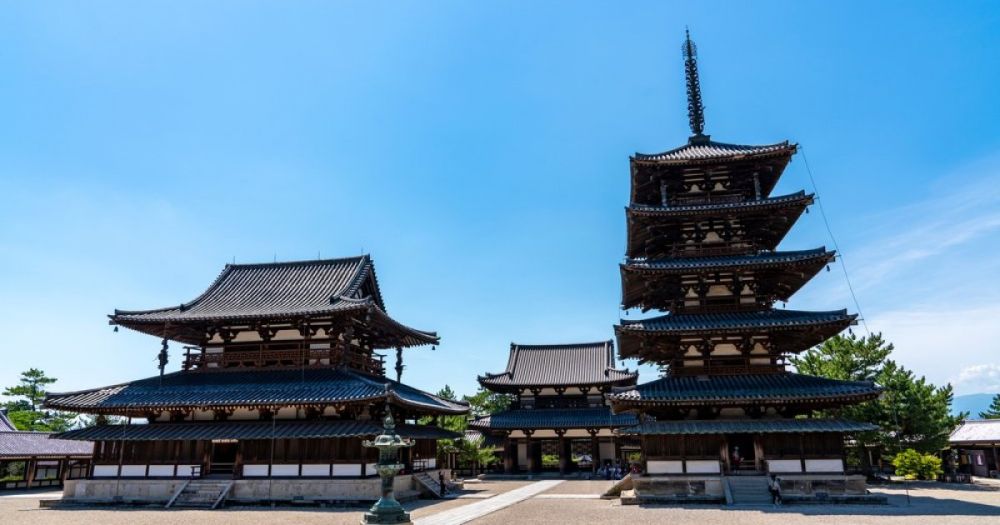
469	512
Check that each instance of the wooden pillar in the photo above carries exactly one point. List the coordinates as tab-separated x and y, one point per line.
29	470
724	452
563	449
510	455
758	452
61	472
595	450
238	462
684	463
802	451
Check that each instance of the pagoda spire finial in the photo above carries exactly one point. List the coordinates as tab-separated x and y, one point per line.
696	111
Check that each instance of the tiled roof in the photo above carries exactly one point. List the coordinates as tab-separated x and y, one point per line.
770	319
576	364
741	426
205	430
977	431
760	260
489	439
6	425
740	389
555	418
747	206
15	444
250	388
244	292
263	290
701	149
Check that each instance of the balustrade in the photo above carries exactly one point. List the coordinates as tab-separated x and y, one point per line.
261	356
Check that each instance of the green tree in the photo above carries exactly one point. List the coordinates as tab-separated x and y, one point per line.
485	402
994	411
913	465
32	387
26	413
475	452
910	411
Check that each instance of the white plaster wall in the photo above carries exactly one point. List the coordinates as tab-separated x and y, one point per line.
664	467
133	470
824	465
284	470
101	471
370	470
784	465
346	470
316	470
254	470
703	467
161	471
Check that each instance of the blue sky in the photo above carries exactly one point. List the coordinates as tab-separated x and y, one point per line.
480	152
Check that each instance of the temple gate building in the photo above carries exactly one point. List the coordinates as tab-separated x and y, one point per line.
281	380
703	232
560	407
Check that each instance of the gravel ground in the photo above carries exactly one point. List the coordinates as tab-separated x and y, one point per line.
18	508
931	503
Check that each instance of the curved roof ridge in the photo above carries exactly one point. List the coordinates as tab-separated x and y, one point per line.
710	149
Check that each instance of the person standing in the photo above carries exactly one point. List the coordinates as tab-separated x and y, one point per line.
774	487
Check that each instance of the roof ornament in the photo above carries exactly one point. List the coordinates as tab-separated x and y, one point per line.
696	110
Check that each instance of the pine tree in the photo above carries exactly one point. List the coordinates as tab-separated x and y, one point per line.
994	411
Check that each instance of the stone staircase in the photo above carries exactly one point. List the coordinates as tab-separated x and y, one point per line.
428	484
748	490
201	494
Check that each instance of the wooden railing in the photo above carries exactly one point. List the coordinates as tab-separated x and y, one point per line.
301	357
708	198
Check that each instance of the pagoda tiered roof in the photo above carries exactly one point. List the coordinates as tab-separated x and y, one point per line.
557	418
251	389
655	231
703	149
653	283
789	330
747	426
275	429
259	294
562	365
739	390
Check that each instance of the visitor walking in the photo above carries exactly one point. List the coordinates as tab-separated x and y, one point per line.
774	487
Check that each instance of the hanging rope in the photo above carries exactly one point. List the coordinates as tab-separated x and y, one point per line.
829	231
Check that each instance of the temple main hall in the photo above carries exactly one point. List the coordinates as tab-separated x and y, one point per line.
283	376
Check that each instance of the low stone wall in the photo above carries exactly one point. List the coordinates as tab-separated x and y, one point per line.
126	490
681	488
156	491
820	484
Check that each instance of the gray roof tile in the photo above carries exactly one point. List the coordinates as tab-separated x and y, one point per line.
735	321
249	388
205	430
557	418
701	150
731	426
14	444
737	389
977	431
575	364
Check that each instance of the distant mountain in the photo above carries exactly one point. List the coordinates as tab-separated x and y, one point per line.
971	403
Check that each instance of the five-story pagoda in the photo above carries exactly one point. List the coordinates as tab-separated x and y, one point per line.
703	228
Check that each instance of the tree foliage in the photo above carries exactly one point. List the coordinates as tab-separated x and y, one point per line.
914	465
485	402
993	412
911	411
26	412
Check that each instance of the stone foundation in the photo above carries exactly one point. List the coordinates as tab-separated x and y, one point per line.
831	488
249	491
